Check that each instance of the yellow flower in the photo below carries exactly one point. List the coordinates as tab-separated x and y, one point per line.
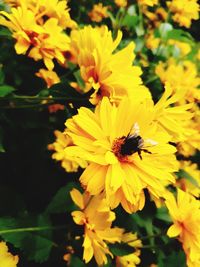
191	143
98	12
151	41
156	17
53	43
185	213
182	76
132	259
6	258
148	2
45	41
69	163
174	119
101	69
44	8
49	76
184	11
97	219
184	48
121	3
187	185
122	145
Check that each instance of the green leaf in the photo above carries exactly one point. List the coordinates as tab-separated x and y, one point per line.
121	249
63	89
5	90
163	214
30	234
130	21
62	201
76	262
176	259
164	29
4	32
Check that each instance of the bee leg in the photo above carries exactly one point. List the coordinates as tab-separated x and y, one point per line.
139	154
146	151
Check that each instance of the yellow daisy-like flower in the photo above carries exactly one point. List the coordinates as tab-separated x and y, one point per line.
126	151
97	219
6	258
101	69
49	76
174	119
184	48
184	11
44	8
182	76
192	185
121	3
98	12
45	41
185	213
68	162
132	259
148	2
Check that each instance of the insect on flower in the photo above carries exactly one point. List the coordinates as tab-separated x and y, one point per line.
134	143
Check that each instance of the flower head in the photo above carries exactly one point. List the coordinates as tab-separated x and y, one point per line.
126	151
6	258
148	2
49	76
130	260
97	219
68	162
101	69
98	12
121	3
184	11
185	213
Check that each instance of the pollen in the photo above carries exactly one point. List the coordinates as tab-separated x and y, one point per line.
116	149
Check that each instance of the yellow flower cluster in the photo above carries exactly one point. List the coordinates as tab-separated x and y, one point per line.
184	11
37	27
6	258
127	143
185	213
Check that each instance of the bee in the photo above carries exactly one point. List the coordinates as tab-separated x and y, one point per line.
133	143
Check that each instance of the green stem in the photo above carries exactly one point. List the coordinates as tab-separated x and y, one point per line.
31	229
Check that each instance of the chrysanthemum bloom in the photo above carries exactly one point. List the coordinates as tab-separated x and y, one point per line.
98	12
184	48
148	2
174	119
182	76
49	76
187	184
189	146
121	3
47	9
156	17
97	219
68	162
132	259
45	41
185	213
101	69
184	11
126	151
6	258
